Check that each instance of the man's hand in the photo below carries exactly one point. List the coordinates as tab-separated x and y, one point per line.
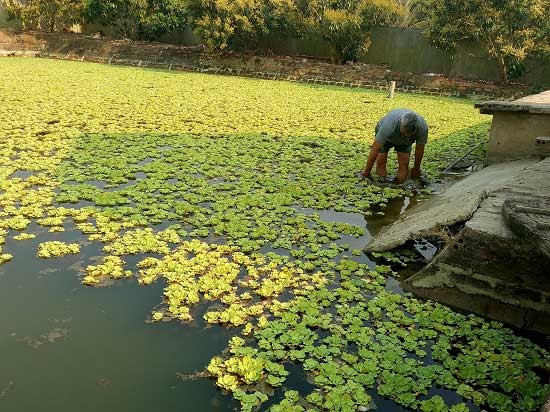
416	172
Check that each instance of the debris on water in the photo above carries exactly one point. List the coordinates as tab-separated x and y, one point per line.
6	389
51	337
193	376
425	248
104	382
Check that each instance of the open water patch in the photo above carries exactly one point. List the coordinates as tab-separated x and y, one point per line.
22	174
72	347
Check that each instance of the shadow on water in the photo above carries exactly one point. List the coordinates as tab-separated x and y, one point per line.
66	347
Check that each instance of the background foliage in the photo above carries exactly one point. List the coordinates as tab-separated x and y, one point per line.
510	31
50	15
138	19
344	24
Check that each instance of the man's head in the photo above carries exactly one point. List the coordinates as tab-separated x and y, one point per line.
407	124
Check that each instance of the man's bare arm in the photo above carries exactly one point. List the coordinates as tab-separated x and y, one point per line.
418	156
374	151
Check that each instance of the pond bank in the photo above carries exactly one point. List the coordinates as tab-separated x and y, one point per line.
485	267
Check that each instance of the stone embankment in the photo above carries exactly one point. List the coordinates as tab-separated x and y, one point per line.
70	46
487	267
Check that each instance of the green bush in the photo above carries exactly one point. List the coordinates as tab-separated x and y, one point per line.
138	19
49	15
346	24
219	22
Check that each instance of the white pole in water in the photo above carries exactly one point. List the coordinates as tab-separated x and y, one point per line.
392	89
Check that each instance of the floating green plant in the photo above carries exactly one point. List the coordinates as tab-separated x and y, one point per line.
207	192
56	249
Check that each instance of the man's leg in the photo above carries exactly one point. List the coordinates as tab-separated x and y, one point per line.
403	167
381	162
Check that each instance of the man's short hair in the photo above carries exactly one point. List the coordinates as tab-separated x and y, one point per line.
408	122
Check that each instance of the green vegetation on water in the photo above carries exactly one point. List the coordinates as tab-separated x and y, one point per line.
202	178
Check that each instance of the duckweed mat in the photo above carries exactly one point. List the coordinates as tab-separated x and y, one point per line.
220	190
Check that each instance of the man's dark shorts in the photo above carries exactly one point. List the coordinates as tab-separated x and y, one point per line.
399	148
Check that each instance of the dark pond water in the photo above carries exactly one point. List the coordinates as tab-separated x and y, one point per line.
65	347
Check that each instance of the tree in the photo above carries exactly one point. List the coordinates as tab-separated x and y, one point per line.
346	24
50	15
509	30
415	12
218	22
138	19
163	16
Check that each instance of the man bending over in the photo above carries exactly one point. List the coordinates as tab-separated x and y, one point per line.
400	128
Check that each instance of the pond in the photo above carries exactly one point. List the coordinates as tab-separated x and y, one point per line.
218	222
66	347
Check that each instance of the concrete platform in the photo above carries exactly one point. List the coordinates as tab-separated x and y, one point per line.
456	204
487	268
516	126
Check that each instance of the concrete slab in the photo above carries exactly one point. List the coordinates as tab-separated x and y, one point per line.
518	128
536	103
490	268
541	98
458	203
529	219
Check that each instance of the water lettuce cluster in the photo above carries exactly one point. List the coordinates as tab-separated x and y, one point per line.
56	249
217	193
358	339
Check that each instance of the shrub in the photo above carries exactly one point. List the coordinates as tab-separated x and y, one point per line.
219	22
346	25
50	15
138	19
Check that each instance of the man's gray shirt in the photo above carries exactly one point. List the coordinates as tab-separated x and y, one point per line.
387	129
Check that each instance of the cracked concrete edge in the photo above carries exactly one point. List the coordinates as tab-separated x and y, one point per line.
458	203
393	236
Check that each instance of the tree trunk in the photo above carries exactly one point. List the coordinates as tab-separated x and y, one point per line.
503	67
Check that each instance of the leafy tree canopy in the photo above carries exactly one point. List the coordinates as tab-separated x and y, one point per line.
345	24
138	19
49	15
509	30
